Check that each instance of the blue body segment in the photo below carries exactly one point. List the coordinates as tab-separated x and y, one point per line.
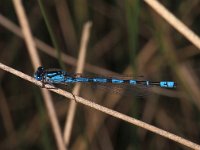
167	84
134	82
100	80
117	81
62	77
74	80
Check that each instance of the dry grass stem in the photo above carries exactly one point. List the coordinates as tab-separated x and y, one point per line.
108	111
36	62
116	41
80	67
27	33
176	23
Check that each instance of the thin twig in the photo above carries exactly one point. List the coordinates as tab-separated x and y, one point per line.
80	67
175	22
108	111
27	33
36	62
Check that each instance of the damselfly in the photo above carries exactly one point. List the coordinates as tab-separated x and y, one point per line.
57	76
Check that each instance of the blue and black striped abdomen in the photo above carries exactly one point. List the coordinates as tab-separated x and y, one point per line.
164	84
62	77
104	80
100	80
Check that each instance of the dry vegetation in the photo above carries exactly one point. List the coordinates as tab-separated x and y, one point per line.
101	37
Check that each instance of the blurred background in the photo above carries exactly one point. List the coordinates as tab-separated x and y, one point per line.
127	37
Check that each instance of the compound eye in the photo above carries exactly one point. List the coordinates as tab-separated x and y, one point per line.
39	73
40	70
